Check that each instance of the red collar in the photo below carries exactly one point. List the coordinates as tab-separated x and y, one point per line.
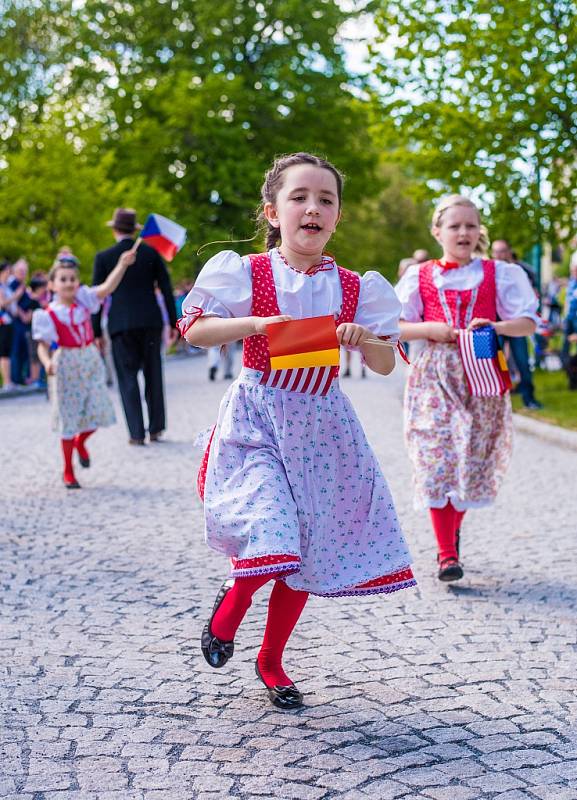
446	265
326	264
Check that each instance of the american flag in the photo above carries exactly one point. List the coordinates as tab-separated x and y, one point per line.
485	365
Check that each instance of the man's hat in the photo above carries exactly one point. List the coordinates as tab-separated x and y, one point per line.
124	220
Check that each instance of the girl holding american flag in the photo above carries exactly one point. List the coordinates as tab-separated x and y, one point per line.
292	491
458	422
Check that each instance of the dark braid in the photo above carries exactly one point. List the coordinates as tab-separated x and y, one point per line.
273	181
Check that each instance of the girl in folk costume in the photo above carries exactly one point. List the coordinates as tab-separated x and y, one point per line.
292	490
459	444
78	390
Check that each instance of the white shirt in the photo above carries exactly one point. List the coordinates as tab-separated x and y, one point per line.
224	289
515	295
86	302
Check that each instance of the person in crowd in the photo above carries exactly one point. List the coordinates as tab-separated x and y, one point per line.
36	297
518	345
19	366
216	356
421	255
459	445
570	321
135	326
79	397
9	297
292	491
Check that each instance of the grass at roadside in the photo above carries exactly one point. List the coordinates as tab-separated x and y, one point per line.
559	404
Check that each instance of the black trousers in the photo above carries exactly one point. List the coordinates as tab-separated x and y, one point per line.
135	350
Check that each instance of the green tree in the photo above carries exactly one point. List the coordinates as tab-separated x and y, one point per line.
51	195
484	94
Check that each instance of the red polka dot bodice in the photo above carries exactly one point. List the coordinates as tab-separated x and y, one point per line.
483	299
265	304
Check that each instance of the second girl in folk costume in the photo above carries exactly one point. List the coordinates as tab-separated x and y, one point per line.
459	445
293	491
80	400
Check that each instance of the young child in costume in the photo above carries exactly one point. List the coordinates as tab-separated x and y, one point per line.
459	445
78	392
293	492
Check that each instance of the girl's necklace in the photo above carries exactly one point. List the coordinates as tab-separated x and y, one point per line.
325	264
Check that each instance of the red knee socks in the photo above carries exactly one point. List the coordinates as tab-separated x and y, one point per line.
67	451
79	443
235	605
446	521
284	609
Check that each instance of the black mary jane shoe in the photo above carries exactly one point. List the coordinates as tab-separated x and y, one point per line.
71	484
215	651
450	570
84	462
285	697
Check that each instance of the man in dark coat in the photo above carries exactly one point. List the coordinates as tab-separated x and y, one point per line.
135	325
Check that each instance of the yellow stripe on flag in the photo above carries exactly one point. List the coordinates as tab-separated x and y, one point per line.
316	358
502	361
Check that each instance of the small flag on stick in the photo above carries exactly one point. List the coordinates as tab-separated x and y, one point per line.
485	365
163	235
303	343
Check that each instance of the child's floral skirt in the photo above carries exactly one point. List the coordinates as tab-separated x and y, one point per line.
460	446
293	487
80	399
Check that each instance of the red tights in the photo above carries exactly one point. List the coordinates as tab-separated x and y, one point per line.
80	443
446	522
67	451
284	609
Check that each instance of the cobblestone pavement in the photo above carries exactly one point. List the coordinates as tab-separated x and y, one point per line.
446	692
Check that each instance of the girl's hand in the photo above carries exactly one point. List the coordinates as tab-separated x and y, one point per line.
50	368
441	332
126	259
349	334
260	323
479	322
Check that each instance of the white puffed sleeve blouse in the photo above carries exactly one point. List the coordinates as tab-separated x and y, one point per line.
515	295
224	289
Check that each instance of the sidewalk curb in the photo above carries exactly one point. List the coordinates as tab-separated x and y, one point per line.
544	430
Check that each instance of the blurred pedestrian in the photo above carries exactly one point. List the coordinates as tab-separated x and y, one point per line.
570	321
19	352
518	345
135	325
8	300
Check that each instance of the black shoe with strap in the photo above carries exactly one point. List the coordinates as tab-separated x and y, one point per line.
215	651
286	697
450	570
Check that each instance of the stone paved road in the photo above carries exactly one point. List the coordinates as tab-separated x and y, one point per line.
457	693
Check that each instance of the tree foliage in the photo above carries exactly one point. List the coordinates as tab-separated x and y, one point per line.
179	107
483	94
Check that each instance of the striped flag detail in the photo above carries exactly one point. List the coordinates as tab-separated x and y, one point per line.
306	380
485	376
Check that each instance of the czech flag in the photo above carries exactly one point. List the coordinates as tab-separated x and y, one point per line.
303	343
163	235
485	365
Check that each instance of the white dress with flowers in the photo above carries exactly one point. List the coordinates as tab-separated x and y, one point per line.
292	485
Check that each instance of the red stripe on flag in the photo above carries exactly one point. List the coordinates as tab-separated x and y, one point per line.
162	245
318	381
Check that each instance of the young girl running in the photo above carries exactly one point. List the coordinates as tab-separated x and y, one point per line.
293	492
459	445
79	397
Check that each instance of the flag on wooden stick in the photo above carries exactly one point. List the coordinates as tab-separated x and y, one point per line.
163	235
485	365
